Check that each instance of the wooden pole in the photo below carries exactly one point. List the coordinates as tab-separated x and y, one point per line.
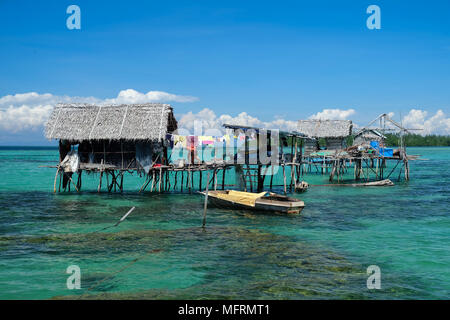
215	179
293	160
223	178
205	206
323	164
153	180
160	178
70	179
79	180
176	181
188	182
56	177
107	179
167	180
60	181
250	178
406	169
244	177
101	176
271	176
182	180
146	182
333	171
259	186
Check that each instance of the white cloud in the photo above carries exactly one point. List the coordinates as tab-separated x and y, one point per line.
333	114
206	120
133	96
16	119
24	111
29	111
438	123
33	99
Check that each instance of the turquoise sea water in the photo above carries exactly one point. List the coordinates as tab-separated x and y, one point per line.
321	254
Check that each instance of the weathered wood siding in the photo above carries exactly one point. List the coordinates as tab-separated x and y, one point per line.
310	146
335	143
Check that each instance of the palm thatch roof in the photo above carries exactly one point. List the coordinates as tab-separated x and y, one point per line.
80	122
325	128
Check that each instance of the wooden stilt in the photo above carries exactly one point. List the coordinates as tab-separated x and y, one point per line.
79	180
188	182
70	179
182	180
271	177
107	180
153	180
145	184
205	206
166	173
60	181
333	171
169	180
160	178
100	182
176	181
215	179
223	178
406	165
191	185
56	176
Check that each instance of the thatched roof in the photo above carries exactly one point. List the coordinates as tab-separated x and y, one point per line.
369	134
325	128
79	122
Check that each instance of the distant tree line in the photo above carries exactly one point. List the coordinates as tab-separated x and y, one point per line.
416	140
411	140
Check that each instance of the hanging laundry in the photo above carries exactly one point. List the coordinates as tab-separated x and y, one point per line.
180	141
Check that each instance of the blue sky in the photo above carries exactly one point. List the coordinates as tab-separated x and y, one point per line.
271	59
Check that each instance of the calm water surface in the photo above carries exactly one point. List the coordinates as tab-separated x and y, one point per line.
321	254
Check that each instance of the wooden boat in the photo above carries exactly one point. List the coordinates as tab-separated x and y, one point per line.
381	183
254	201
385	182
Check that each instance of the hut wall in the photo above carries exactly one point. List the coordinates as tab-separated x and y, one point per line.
118	153
310	146
335	143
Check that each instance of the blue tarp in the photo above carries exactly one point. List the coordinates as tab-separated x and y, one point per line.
385	152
